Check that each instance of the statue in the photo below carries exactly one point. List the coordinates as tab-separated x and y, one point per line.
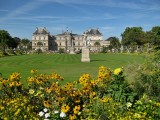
85	49
86	42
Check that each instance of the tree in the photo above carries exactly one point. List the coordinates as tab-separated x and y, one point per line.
133	36
156	35
114	43
25	43
97	44
4	38
148	37
13	42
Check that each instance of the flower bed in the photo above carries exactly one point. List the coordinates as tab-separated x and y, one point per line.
107	97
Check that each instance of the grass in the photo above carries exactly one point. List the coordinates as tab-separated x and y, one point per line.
68	66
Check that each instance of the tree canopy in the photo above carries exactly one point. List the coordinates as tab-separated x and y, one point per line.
155	40
4	39
133	36
114	42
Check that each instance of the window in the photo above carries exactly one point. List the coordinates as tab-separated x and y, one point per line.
42	38
37	38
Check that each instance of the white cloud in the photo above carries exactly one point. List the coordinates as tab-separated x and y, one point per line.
22	9
143	4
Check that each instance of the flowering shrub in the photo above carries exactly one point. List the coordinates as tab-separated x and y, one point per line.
106	97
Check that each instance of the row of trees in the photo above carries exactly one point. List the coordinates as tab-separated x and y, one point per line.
7	42
135	36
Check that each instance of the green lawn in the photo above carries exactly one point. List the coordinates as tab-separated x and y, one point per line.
68	66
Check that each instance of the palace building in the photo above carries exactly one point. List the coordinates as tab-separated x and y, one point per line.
42	39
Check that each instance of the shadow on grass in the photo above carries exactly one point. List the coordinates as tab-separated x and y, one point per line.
97	60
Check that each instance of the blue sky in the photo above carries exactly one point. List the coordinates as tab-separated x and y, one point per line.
21	17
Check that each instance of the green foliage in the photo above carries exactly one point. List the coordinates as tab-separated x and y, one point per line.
146	77
114	42
4	38
132	35
61	50
96	43
40	44
104	49
3	53
19	52
39	51
11	52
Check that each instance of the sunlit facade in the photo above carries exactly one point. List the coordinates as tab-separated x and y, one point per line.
42	39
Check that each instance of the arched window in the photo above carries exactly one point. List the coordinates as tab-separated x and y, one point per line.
37	38
42	38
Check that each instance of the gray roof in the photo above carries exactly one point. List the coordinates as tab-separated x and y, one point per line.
93	32
67	33
41	31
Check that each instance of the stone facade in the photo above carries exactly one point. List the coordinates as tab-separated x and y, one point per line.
41	39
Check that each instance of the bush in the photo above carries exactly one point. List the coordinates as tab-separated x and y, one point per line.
61	50
11	52
39	51
146	77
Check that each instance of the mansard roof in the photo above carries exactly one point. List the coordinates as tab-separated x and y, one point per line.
41	31
93	32
67	33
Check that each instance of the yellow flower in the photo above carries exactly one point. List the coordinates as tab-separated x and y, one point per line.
1	107
72	117
18	84
65	108
105	99
31	79
48	90
15	76
31	91
3	81
17	112
47	104
33	71
117	71
76	109
77	100
11	84
92	94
